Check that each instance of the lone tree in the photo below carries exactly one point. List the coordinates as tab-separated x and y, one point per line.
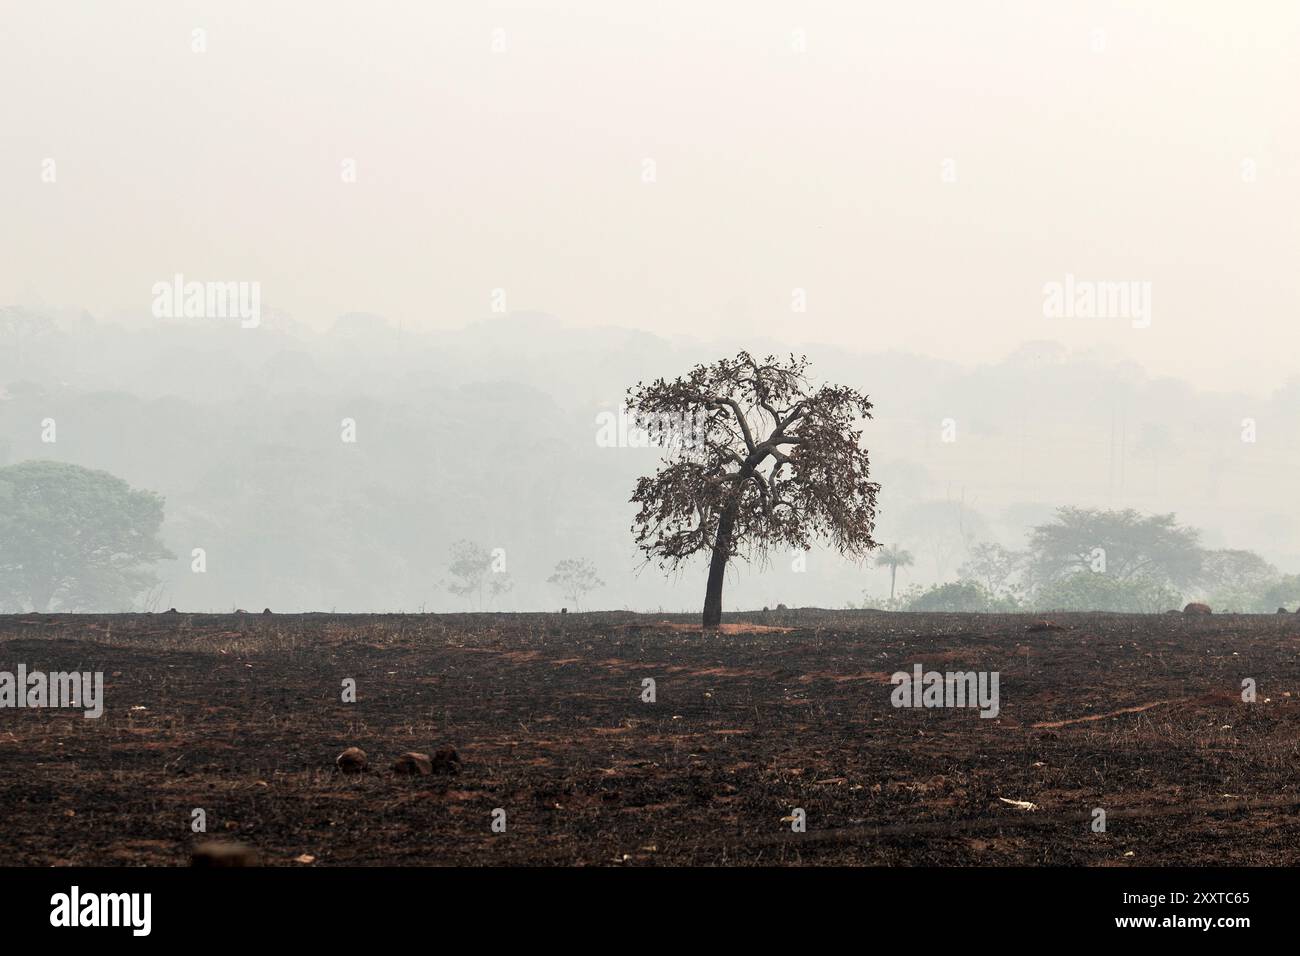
893	557
473	570
74	539
754	459
575	577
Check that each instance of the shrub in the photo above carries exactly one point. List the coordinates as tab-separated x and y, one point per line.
1089	591
963	595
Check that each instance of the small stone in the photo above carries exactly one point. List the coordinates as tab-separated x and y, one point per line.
352	760
417	764
446	760
1045	625
217	854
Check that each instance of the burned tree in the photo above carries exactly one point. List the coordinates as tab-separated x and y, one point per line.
755	459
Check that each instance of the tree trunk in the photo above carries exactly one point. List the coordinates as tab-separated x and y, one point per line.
893	573
718	569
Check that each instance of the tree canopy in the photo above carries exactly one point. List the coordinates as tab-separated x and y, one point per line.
75	539
575	577
1125	544
756	459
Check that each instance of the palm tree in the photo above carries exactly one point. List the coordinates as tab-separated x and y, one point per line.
893	557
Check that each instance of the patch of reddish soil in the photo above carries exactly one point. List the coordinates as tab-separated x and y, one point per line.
1114	713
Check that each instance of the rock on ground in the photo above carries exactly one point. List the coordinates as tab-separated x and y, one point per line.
352	760
213	854
414	763
446	760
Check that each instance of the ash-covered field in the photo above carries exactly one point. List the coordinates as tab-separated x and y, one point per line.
243	717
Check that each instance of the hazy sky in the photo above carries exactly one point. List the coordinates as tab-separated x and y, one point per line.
796	145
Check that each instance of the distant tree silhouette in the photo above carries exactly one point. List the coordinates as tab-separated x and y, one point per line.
472	574
1128	545
755	459
1238	580
75	539
893	557
575	577
996	568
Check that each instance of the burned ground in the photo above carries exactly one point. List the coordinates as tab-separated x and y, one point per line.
241	715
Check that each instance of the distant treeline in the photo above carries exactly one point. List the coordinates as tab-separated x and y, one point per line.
1094	560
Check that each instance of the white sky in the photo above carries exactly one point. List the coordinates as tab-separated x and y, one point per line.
775	170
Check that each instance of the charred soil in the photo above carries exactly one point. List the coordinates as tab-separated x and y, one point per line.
242	716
